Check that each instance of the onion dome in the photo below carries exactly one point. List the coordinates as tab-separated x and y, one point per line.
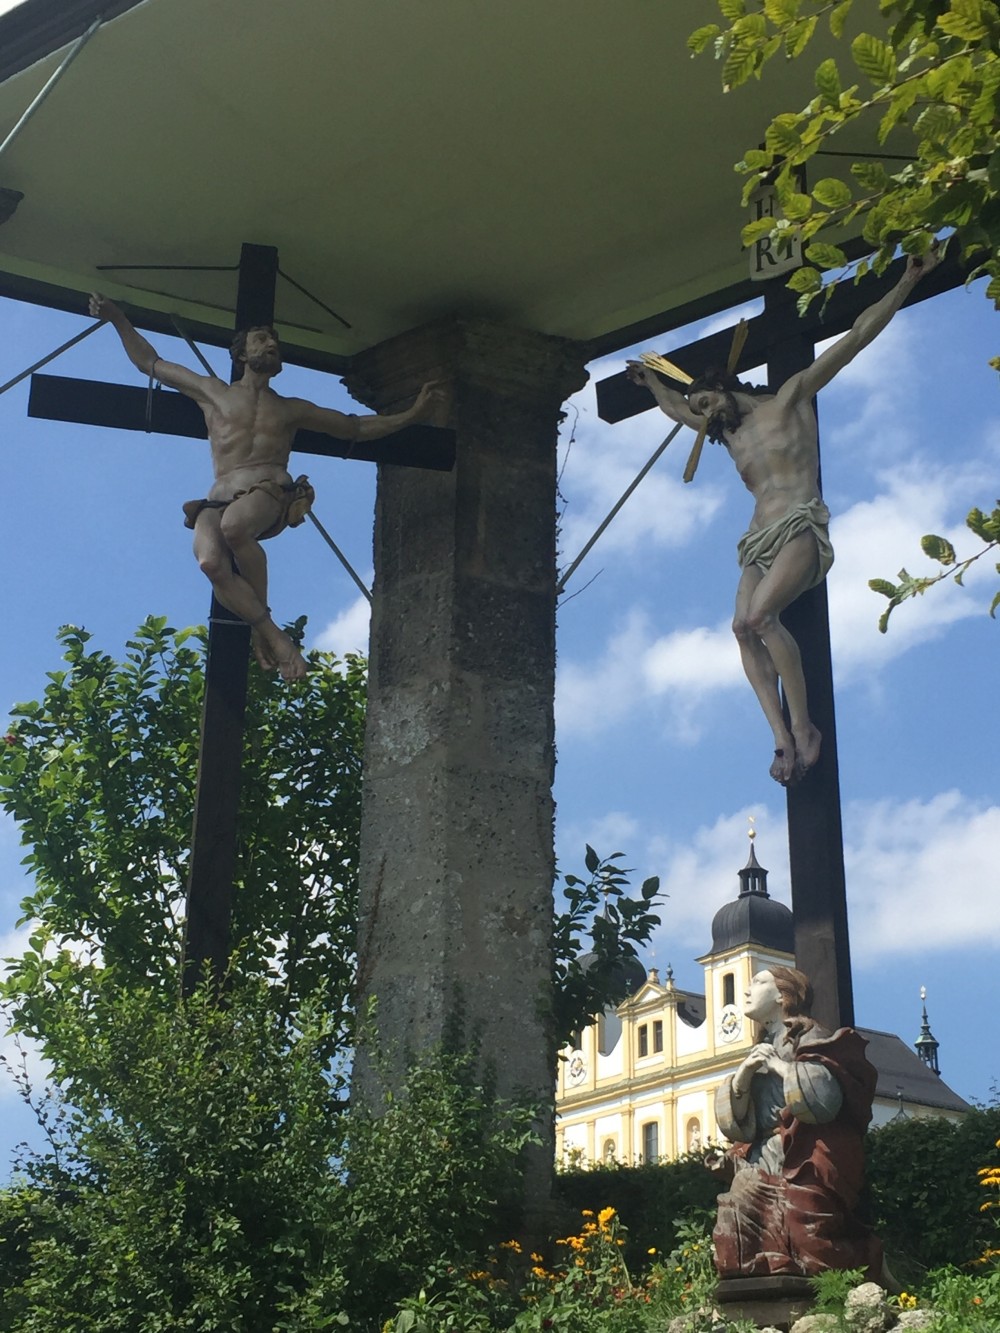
755	917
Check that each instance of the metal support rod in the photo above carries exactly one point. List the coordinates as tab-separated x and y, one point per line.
566	577
77	338
54	78
193	345
340	555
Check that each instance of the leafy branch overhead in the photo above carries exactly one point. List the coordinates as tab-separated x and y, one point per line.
924	87
985	526
595	937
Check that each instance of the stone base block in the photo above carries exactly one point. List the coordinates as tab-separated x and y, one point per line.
770	1302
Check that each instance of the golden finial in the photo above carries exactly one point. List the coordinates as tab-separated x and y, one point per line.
923	992
751	832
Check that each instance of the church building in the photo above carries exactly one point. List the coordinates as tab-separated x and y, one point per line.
638	1085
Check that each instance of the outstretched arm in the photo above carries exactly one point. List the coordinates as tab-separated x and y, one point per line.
668	400
307	416
866	328
144	355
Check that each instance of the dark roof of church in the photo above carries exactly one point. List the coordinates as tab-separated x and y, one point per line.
754	917
899	1067
691	1008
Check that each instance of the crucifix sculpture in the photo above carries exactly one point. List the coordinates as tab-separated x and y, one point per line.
252	431
785	344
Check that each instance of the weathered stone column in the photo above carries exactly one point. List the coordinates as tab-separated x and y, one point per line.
457	835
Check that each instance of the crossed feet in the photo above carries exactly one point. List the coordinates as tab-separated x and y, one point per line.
275	651
795	754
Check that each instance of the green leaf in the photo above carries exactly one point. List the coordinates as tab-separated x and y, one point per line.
701	37
883	586
796	207
756	231
826	256
994	604
732	9
828	82
838	17
805	280
781	12
874	59
797	38
591	860
938	548
832	193
872	175
965	20
782	137
740	64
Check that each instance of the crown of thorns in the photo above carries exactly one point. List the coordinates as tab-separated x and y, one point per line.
654	361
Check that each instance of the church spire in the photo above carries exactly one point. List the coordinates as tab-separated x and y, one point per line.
753	876
926	1045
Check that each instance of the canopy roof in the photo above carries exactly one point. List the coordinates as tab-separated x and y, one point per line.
563	166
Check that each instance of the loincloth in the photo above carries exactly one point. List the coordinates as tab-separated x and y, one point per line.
761	546
295	498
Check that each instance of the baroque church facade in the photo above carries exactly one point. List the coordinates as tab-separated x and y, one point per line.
638	1085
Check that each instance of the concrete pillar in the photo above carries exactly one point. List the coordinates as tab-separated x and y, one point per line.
457	835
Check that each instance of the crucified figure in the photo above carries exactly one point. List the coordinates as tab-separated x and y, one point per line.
772	439
250	431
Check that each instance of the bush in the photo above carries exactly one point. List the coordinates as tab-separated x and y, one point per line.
923	1174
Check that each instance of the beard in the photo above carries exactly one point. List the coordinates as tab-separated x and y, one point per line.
266	363
728	417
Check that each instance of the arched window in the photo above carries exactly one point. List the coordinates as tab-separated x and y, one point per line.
651	1142
728	988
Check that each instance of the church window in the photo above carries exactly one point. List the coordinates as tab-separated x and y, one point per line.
657	1036
729	988
643	1040
651	1142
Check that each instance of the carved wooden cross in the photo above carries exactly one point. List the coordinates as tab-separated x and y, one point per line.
213	840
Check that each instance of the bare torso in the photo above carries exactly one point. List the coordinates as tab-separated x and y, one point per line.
250	431
775	449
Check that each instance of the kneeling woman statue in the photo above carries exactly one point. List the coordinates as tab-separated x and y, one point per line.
796	1109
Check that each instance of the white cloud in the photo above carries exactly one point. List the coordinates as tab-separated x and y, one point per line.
348	632
921	875
872	540
603	462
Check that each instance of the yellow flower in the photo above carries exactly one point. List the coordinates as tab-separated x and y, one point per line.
512	1245
587	1212
651	1250
605	1216
539	1272
536	1258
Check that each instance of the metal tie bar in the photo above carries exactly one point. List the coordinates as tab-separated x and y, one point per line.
54	78
340	556
79	337
193	345
565	578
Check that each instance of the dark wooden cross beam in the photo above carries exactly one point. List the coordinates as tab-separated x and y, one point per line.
785	343
214	834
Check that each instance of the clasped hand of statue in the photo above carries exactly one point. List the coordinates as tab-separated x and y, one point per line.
762	1057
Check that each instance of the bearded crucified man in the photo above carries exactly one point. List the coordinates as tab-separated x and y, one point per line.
250	430
772	439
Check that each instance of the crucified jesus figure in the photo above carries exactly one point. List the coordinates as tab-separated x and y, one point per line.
772	439
250	431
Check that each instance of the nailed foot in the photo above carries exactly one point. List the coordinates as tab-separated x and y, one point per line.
807	746
263	652
783	764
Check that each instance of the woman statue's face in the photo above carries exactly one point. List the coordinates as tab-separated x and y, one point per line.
762	999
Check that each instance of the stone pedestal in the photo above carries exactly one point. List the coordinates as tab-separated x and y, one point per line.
457	836
774	1302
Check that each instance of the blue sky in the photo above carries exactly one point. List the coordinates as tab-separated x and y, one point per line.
662	752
